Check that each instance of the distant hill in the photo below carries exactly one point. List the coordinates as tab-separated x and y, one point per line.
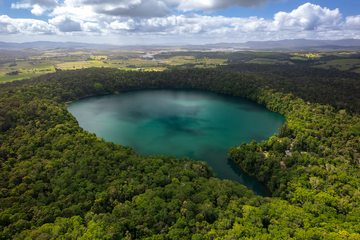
295	44
285	45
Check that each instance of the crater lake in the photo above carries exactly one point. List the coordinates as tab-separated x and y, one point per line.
198	124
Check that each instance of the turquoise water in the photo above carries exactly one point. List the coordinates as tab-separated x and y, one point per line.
198	124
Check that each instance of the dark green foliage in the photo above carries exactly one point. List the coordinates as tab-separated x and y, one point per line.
98	88
58	181
339	89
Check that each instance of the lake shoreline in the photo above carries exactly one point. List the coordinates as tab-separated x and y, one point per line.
195	123
90	95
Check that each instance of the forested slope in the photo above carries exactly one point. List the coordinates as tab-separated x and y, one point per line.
341	89
58	181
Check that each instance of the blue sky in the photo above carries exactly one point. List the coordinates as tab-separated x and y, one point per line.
177	21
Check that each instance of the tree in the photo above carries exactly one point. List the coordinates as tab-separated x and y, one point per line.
99	88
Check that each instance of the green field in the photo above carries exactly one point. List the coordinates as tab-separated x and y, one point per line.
306	55
342	64
264	61
35	66
26	69
182	60
47	61
138	63
146	64
99	57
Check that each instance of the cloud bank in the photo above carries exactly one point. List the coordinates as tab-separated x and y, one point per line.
138	8
153	19
25	26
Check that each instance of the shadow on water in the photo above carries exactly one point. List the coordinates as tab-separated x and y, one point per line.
216	157
258	137
250	182
163	110
249	109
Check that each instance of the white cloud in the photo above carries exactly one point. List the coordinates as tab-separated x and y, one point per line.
6	27
156	8
307	17
38	6
74	19
65	24
116	25
24	26
126	8
91	27
80	13
352	23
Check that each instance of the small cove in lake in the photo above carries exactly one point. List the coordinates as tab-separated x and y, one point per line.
195	123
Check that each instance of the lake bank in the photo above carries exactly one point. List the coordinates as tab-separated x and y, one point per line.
198	124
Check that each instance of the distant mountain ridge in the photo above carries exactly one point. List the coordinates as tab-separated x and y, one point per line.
295	43
281	44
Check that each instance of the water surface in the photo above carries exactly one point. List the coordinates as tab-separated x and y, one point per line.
198	124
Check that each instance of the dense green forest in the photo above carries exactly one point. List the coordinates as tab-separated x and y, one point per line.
61	182
341	89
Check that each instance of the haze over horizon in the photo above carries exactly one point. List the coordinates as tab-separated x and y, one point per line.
177	21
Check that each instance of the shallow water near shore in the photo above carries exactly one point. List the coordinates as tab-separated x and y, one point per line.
198	124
